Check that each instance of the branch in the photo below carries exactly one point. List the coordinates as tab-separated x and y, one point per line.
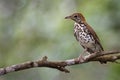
107	56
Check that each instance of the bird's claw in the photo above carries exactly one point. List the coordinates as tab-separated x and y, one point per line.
81	58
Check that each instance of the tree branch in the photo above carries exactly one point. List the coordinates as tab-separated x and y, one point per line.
106	56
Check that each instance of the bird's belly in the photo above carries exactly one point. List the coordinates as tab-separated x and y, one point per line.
83	36
86	40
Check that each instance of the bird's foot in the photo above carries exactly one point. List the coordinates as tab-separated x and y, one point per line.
81	58
97	52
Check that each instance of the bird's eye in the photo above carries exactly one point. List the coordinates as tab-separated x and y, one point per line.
75	16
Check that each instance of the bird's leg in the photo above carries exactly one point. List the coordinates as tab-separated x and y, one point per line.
81	55
96	52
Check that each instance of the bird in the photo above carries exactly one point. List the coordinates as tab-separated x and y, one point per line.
85	35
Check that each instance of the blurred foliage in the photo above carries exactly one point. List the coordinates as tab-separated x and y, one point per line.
31	29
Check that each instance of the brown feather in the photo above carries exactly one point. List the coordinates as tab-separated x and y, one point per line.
94	34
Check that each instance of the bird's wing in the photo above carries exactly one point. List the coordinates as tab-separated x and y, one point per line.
94	34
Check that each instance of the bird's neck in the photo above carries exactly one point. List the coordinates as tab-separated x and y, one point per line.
80	22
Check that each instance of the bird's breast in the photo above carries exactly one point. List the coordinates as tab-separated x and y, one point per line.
82	34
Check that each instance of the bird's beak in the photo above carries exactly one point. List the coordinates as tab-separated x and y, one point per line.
67	17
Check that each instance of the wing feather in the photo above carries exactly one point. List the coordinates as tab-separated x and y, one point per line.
94	35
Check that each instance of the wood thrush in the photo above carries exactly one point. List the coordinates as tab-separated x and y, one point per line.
85	35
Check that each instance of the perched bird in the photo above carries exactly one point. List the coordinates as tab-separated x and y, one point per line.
85	35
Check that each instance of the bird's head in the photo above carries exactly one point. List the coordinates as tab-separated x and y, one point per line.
77	17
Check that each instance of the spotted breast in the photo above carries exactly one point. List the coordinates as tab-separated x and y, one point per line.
86	40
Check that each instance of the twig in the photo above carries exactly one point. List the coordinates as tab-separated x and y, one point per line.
107	56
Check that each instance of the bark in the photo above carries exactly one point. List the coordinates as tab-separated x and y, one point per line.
106	56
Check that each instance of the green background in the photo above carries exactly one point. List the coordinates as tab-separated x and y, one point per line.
31	29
